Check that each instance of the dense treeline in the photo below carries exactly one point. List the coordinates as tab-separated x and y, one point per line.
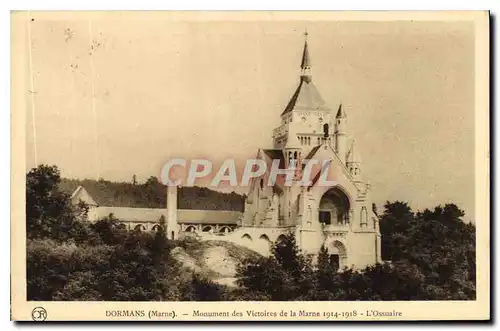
152	194
68	259
423	266
432	256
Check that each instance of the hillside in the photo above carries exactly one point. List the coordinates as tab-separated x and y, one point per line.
215	260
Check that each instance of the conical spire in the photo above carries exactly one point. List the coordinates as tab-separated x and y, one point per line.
305	65
306	62
341	113
353	156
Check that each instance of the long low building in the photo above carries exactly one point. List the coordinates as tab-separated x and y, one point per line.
148	219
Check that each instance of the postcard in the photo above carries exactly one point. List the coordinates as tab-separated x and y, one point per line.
250	166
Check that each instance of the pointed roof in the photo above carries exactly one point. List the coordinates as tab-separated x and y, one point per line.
341	113
306	60
275	154
81	194
352	155
312	152
306	96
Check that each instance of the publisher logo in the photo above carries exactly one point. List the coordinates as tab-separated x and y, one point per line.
39	314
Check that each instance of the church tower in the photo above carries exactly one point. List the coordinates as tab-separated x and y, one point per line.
332	211
306	117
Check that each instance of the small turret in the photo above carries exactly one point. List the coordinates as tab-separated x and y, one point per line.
353	163
341	134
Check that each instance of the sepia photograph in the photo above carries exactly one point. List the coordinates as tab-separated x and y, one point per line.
339	160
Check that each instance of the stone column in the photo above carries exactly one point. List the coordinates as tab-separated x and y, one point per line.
172	224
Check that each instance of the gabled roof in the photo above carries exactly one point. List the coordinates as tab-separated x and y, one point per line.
119	194
306	97
312	152
208	216
332	158
269	155
81	194
275	154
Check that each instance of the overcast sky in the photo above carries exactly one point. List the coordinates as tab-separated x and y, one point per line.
152	89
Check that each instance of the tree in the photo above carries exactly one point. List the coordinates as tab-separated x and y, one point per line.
49	213
285	275
438	243
325	270
109	230
264	278
203	289
394	225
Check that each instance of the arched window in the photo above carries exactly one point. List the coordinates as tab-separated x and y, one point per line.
157	228
364	216
334	207
225	229
261	183
246	237
318	141
281	238
140	227
295	155
325	129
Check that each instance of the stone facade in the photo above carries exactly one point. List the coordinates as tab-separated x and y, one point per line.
339	215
